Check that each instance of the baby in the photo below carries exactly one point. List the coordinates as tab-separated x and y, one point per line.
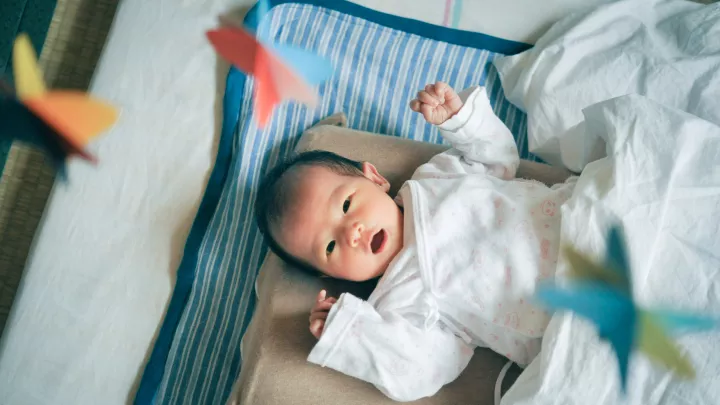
457	252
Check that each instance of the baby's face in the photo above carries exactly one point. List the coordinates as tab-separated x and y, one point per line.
346	227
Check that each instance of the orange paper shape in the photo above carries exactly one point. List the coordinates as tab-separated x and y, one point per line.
76	117
275	81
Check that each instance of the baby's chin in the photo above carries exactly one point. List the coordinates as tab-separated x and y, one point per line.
378	272
365	274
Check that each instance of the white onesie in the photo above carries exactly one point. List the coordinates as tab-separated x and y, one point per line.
476	241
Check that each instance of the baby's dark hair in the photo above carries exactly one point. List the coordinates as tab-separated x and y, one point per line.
274	195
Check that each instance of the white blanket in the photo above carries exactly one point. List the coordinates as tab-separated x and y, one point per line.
668	51
658	176
661	182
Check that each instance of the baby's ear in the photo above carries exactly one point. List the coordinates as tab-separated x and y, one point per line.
372	174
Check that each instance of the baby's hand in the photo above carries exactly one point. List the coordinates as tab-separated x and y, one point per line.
437	103
319	313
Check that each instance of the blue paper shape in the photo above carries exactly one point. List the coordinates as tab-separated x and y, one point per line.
616	258
611	307
610	310
678	323
313	68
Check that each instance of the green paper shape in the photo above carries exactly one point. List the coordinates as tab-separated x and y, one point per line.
655	344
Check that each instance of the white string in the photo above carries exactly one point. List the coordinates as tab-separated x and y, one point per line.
498	382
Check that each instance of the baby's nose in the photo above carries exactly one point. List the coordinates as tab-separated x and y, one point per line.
354	233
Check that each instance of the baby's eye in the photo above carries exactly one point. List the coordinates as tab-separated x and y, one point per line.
346	205
330	248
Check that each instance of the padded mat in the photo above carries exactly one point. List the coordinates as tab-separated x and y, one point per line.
380	63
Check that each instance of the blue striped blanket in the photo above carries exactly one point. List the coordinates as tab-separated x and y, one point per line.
380	63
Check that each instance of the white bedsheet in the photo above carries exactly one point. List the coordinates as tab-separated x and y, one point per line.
102	268
666	50
661	182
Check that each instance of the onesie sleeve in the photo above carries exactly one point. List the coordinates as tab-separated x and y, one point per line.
404	361
481	142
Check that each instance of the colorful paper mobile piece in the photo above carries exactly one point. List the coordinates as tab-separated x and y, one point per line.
603	295
62	122
281	72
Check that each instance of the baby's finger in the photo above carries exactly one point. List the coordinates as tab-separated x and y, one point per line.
441	88
323	306
316	328
427	112
446	92
318	315
415	105
431	90
426	98
321	295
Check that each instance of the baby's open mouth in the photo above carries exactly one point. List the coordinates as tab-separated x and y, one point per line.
378	241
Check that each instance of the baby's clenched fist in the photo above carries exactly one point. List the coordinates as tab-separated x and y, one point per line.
437	103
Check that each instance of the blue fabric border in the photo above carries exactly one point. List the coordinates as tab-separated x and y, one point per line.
235	82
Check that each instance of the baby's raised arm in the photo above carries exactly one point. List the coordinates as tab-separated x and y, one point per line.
468	122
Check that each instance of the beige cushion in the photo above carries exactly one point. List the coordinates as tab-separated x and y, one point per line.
275	370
